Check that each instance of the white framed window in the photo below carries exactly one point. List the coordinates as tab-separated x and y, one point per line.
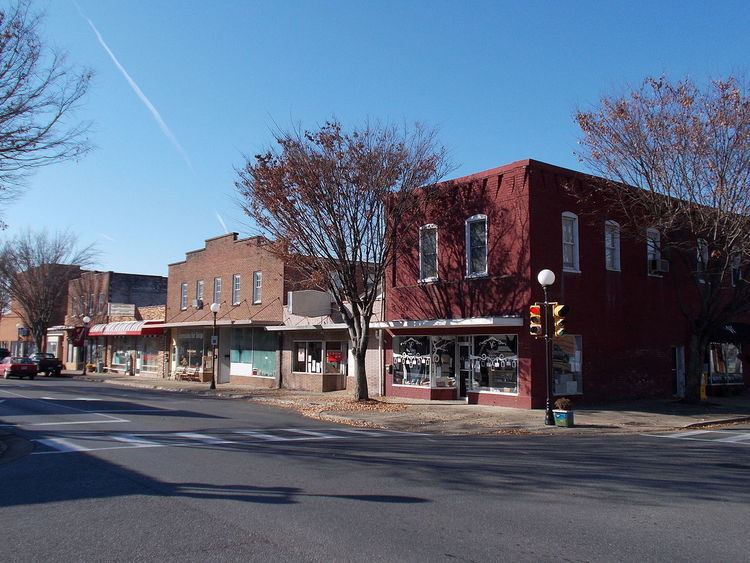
428	260
101	303
199	290
91	304
308	357
701	255
653	252
257	287
236	286
612	246
571	254
74	306
217	290
476	246
183	296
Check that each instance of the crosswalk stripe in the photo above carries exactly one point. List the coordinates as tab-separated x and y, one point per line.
691	433
312	433
205	438
359	432
737	438
62	445
133	439
262	435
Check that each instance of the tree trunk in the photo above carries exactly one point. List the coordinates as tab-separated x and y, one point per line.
361	392
694	371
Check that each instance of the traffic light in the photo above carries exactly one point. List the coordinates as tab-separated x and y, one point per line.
535	320
559	312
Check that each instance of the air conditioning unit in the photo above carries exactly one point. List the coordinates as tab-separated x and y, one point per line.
658	266
197	303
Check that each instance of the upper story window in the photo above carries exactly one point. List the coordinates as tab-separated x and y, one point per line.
701	255
571	254
74	307
236	285
101	303
257	287
91	304
736	265
476	246
653	252
428	268
612	245
183	296
199	290
217	290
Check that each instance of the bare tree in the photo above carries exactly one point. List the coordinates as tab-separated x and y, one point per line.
38	92
35	269
678	160
328	199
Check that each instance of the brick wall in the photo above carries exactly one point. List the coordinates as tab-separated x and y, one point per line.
223	257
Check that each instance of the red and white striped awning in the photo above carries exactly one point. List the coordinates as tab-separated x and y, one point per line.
126	328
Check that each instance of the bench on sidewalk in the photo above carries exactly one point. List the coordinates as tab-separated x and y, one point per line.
188	374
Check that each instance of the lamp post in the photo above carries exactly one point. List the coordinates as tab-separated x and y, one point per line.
546	278
86	321
21	341
214	310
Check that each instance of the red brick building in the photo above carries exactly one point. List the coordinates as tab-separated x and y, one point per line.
465	273
271	329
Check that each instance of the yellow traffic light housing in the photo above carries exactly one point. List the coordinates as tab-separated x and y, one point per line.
559	312
535	320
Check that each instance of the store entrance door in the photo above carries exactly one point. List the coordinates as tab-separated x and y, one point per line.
464	368
678	367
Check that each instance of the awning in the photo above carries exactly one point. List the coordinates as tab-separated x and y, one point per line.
126	328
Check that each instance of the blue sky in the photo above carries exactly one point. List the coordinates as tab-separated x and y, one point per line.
500	80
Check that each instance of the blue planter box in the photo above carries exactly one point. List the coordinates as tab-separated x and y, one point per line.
563	418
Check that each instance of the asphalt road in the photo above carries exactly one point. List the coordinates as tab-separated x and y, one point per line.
104	473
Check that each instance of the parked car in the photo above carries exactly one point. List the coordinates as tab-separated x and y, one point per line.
17	366
47	363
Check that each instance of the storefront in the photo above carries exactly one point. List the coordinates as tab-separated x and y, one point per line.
132	347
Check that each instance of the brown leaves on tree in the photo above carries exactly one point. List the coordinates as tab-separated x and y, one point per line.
329	199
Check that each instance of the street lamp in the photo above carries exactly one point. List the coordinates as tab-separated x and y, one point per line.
214	309
21	341
86	321
546	278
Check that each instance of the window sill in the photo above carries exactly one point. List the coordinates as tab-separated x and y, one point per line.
428	280
489	392
254	303
618	270
476	276
571	271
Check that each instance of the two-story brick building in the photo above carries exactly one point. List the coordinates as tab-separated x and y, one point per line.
271	328
465	273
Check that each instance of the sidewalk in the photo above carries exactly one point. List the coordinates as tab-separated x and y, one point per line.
458	418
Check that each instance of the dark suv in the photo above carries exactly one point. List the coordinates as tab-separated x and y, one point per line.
47	363
4	353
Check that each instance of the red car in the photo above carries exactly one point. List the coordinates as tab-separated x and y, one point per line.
17	366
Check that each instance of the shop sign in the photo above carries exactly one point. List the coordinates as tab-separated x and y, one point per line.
121	309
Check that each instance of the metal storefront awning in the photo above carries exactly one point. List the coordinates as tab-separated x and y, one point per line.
126	328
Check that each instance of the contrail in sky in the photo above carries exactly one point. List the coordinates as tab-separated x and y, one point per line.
138	92
107	237
223	224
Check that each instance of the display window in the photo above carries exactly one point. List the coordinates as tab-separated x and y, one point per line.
308	357
336	357
190	349
725	363
150	354
567	365
494	363
424	361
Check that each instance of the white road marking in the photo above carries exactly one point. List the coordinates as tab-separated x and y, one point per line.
263	436
312	433
113	421
61	406
69	399
737	438
360	432
134	439
62	445
205	438
691	433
